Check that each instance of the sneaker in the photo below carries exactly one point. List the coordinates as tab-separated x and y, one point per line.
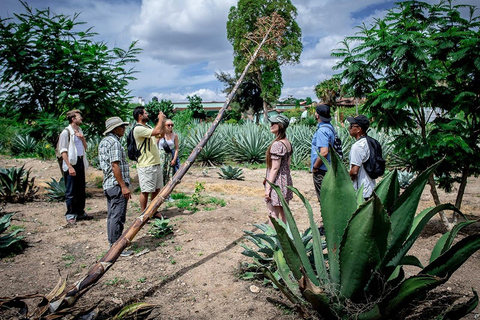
169	199
126	253
71	222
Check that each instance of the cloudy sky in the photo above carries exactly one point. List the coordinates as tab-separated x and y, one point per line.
184	41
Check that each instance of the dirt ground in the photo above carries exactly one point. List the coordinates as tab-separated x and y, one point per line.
193	274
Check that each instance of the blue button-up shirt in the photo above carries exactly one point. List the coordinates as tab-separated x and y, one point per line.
321	139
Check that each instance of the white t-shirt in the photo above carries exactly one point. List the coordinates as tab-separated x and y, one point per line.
360	153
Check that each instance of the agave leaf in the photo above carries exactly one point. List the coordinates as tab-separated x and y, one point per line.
418	224
445	242
388	190
363	246
132	309
453	258
458	311
410	261
339	202
284	272
297	240
289	251
412	288
359	194
293	299
403	213
317	298
317	241
5	222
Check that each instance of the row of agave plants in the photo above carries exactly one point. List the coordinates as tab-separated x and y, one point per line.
247	144
368	245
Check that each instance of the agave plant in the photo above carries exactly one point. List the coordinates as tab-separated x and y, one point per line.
214	151
16	185
23	145
9	240
231	173
367	244
301	138
92	151
405	178
160	228
56	190
250	143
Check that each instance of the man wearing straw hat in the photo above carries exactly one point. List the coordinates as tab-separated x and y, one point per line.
116	178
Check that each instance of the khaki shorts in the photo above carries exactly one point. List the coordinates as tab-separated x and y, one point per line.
150	178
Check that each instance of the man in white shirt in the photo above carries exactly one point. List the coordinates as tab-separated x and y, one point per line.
359	154
72	146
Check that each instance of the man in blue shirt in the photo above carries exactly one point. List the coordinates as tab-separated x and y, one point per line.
324	136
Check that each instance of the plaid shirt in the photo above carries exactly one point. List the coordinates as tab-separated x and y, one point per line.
110	150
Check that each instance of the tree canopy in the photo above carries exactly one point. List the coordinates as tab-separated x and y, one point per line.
266	73
419	69
47	65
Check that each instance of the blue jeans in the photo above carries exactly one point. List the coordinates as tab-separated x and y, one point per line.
75	191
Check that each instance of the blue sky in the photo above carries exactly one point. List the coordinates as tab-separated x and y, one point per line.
184	41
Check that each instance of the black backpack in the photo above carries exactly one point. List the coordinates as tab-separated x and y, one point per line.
375	165
337	143
132	151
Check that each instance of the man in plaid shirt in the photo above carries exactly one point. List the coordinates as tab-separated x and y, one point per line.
116	178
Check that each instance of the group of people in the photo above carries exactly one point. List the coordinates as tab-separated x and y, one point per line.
157	163
279	155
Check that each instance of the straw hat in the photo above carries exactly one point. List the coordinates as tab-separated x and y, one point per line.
112	123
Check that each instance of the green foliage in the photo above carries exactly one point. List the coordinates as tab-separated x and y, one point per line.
49	66
9	242
328	91
183	122
214	151
421	61
195	105
45	150
367	244
160	228
23	145
301	138
231	173
92	150
154	106
16	185
56	190
196	197
250	143
266	74
405	178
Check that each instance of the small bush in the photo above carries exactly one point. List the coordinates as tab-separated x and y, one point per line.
45	150
160	228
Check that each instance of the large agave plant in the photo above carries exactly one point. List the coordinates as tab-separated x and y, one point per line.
92	151
367	245
301	138
16	185
214	151
250	143
23	145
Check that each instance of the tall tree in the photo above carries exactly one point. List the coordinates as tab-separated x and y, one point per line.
196	106
329	90
425	62
154	106
47	65
265	72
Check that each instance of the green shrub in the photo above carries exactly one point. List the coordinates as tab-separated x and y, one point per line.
45	150
231	173
301	138
367	244
16	185
160	228
9	242
23	145
56	190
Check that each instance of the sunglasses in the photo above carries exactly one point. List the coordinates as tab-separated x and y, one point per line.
169	125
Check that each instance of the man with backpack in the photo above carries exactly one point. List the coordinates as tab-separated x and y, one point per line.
72	148
150	174
366	162
323	137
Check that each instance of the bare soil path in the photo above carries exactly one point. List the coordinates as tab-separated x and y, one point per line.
193	274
